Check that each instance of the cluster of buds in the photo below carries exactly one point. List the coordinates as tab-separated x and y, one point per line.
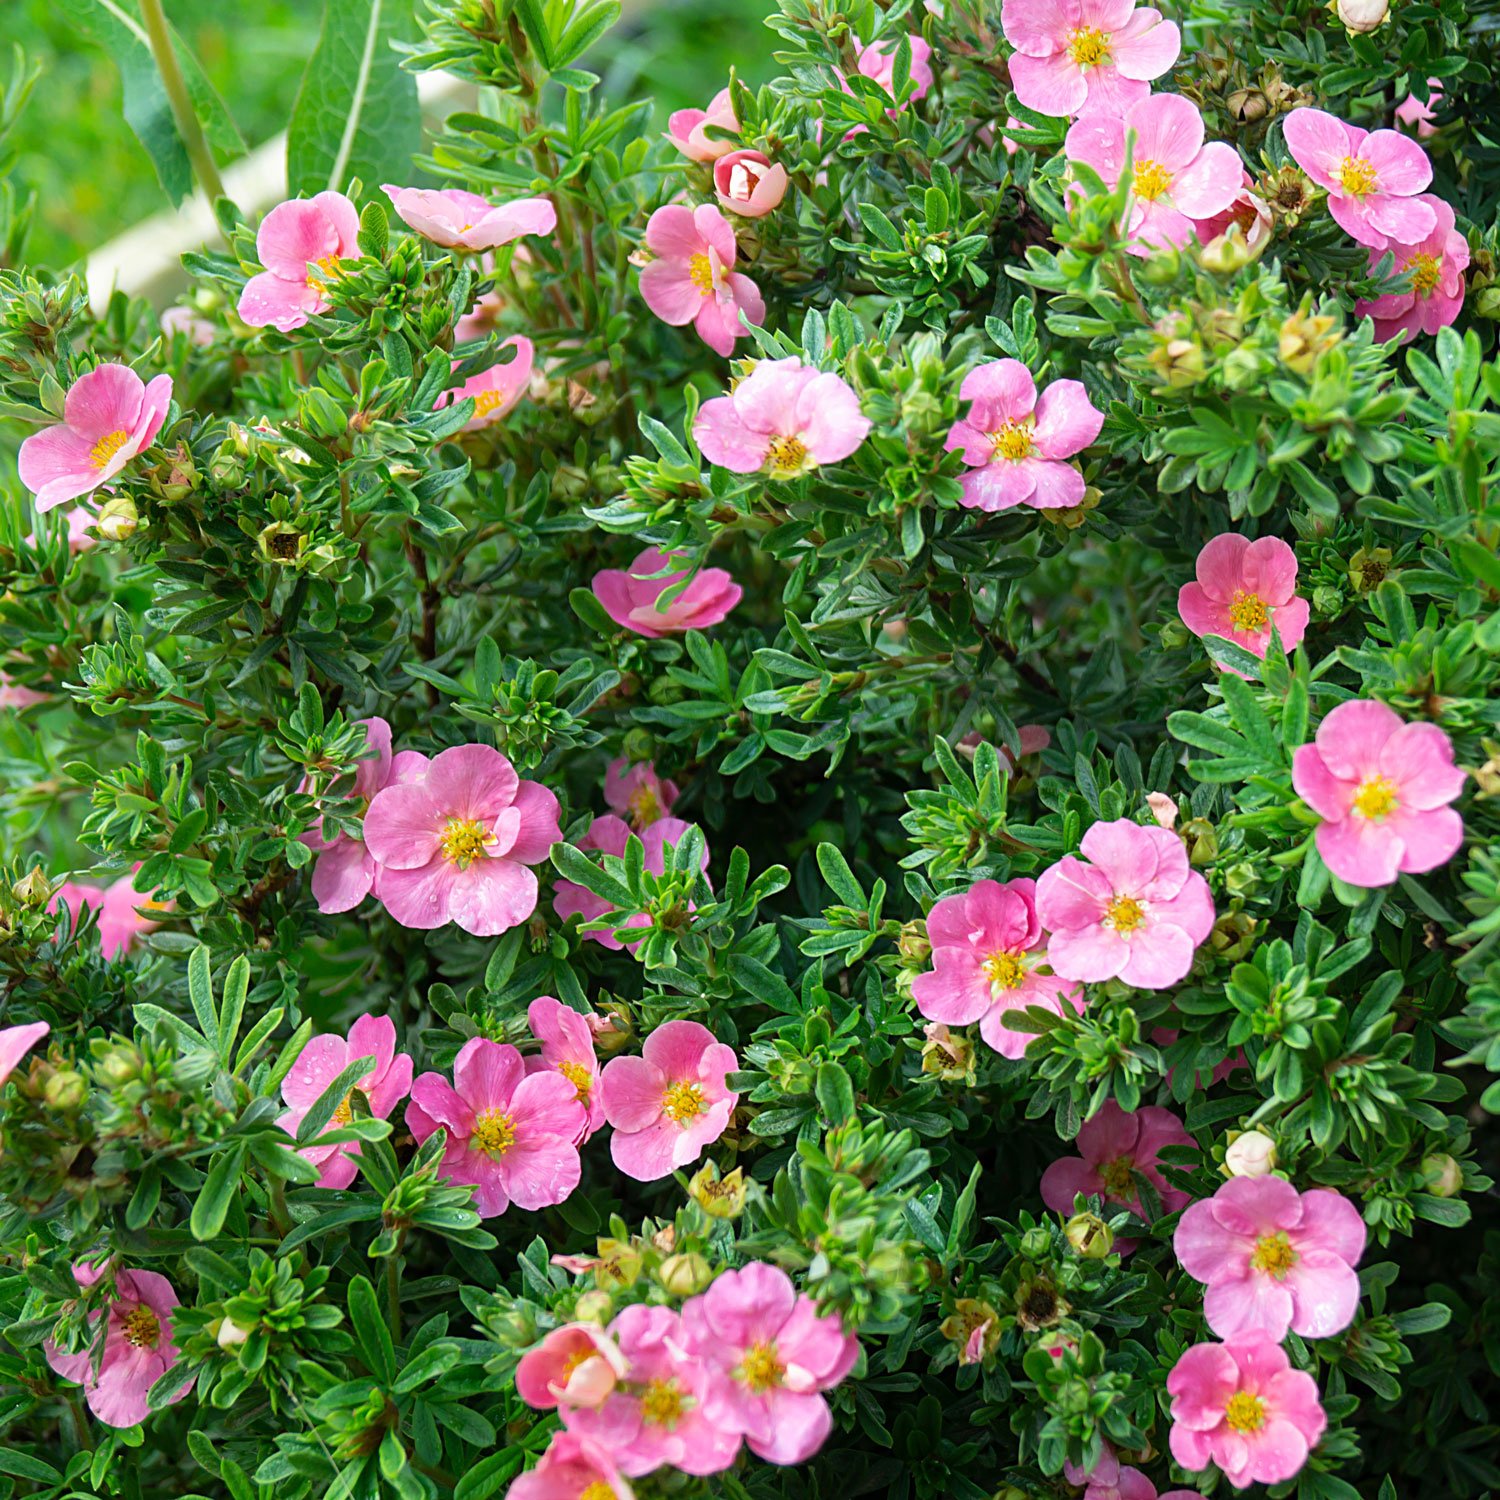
1305	336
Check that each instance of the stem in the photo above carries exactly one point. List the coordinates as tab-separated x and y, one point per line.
183	112
80	1422
393	1292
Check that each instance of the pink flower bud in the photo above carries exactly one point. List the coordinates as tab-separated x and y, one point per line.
748	183
1250	1154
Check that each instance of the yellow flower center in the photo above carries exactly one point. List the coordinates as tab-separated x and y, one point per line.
344	1113
786	456
107	446
1124	914
701	273
1004	971
1088	46
1274	1255
1247	612
1245	1413
1013	441
1118	1177
1426	270
140	1327
645	805
683	1102
494	1132
1357	176
1376	798
1151	180
325	268
661	1403
599	1490
464	841
760	1369
487	401
578	1075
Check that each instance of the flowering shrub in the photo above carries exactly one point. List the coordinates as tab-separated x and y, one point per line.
798	800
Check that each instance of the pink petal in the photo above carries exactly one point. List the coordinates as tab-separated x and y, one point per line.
1169	130
57	465
1210	183
342	876
1067	1179
537	808
419	898
670	291
509	221
1005	386
1053	85
1428	839
999	486
1419	758
1146	46
492	896
1352	737
721	434
1160	955
650	1154
1401	165
403	827
631	1089
1318	143
1066	420
1038	27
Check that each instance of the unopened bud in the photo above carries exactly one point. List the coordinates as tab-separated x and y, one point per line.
1362	15
685	1275
913	944
65	1090
1201	840
33	888
118	519
231	1334
1250	1153
1443	1175
1089	1236
595	1307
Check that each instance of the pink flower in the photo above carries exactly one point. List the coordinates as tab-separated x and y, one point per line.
512	1136
989	957
693	280
785	418
1273	1258
1436	266
568	1048
1034	738
455	844
687	129
1375	179
1176	179
138	1347
877	62
575	1365
122	918
1245	590
630	598
325	1056
16	1042
77	897
655	1416
1242	1406
1097	56
300	243
16	695
109	416
769	1355
1113	1147
1135	913
1381	787
1416	115
669	1103
191	324
1016	444
637	793
748	183
497	389
464	221
572	1468
1109	1480
1249	212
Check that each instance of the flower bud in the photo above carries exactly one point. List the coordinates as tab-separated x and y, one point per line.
1251	1153
748	184
33	888
1233	935
1036	1243
1089	1236
230	1334
974	1326
65	1090
595	1307
282	544
1201	840
913	944
1248	105
685	1275
118	519
718	1197
1443	1175
1362	15
1163	808
1304	336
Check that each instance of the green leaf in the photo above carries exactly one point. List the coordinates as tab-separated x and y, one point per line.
217	1194
369	1328
835	1093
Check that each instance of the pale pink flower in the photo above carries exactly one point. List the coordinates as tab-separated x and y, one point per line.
687	129
513	1136
568	1048
1273	1259
669	1103
1417	115
1176	178
630	598
1244	590
1163	809
1241	1406
497	389
1249	212
655	1415
1436	266
572	1468
123	915
693	280
1136	912
464	221
191	324
1110	1480
325	1056
575	1365
989	957
16	1042
877	62
1382	788
1114	1146
784	418
78	898
1375	179
138	1347
1016	444
16	695
769	1354
748	183
456	844
301	244
109	416
1077	56
637	793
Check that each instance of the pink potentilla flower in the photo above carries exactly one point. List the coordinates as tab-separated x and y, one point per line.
1086	56
184	320
300	243
748	183
109	415
687	129
122	915
497	389
785	418
877	62
769	1354
325	1056
1381	787
1436	267
655	1416
1109	1479
455	845
1249	212
1417	116
1273	1258
575	1365
1177	178
511	1135
693	280
670	1102
989	957
637	793
1241	1406
138	1347
77	897
567	1048
1136	912
1375	179
572	1468
79	521
464	221
1245	590
1016	444
16	695
630	597
16	1042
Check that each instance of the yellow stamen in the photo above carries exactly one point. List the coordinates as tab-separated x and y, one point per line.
701	272
1004	971
140	1327
786	456
599	1490
661	1403
1088	46
1274	1255
487	401
107	446
579	1077
1124	914
1245	1413
1247	612
760	1369
683	1102
1376	798
325	268
1012	441
493	1132
645	806
1357	176
1426	271
1118	1177
344	1113
464	841
1151	180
